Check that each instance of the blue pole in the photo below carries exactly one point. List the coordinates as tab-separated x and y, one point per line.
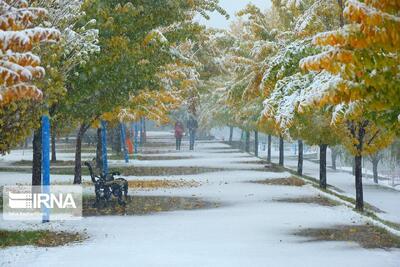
104	146
123	143
46	163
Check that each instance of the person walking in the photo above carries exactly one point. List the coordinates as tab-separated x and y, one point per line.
192	126
178	134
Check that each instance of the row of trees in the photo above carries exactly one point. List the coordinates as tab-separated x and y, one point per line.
324	72
110	60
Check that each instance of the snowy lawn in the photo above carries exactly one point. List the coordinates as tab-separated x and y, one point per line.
382	197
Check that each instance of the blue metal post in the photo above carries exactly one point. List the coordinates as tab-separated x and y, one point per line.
104	146
123	143
136	137
46	163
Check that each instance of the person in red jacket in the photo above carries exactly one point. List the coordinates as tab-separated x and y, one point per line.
178	134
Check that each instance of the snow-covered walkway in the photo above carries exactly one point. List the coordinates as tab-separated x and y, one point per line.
248	229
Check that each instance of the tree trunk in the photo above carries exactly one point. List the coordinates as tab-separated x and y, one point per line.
247	142
256	143
99	162
78	154
360	134
115	140
269	149
281	151
242	145
300	158
53	134
143	134
37	157
322	166
53	145
144	130
341	17
230	135
375	163
334	155
118	140
359	186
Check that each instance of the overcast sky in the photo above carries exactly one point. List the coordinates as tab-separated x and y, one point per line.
232	6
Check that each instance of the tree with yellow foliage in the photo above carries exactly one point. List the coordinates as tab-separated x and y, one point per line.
178	83
19	35
285	84
362	79
254	43
364	58
135	40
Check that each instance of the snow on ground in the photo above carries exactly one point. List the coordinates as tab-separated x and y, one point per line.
249	229
384	179
382	197
13	178
17	155
159	134
211	162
